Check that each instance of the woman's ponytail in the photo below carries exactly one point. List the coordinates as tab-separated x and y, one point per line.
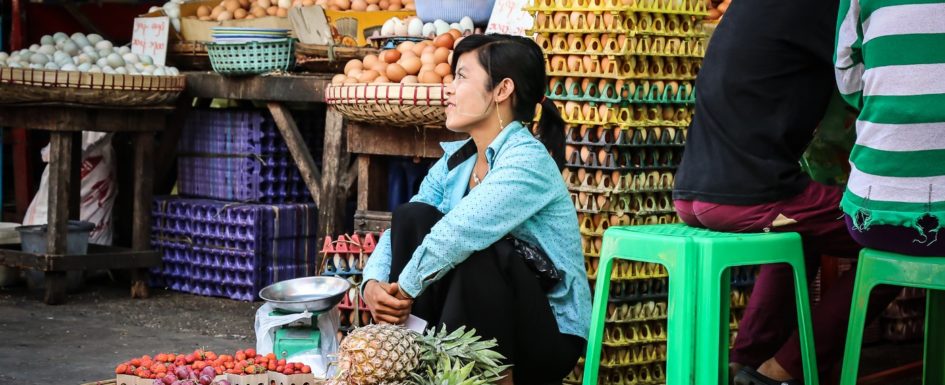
550	131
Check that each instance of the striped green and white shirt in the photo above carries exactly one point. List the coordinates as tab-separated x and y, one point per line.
890	64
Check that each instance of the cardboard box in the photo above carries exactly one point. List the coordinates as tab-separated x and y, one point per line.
249	379
295	379
192	29
360	25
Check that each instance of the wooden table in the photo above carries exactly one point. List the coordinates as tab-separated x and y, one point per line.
370	141
65	125
329	185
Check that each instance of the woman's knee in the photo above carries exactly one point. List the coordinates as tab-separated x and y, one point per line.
415	214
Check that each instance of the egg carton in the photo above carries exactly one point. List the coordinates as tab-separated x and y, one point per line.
629	184
627	270
639	290
596	209
634	335
647	374
239	154
599	54
633	356
617	22
623	136
682	7
638	160
606	92
639	312
623	68
584	113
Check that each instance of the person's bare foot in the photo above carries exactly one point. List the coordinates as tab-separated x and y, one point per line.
773	370
733	368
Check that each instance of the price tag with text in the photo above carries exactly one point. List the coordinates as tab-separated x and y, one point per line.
509	18
150	37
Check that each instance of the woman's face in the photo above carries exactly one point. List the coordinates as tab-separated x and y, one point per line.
468	101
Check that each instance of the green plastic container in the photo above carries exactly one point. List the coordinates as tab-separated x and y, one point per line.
252	58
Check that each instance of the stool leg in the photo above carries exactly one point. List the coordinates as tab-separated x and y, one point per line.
934	368
598	317
805	326
725	329
713	282
861	299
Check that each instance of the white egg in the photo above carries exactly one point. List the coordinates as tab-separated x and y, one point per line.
51	66
124	49
104	44
69	67
160	72
103	62
172	71
146	59
59	36
78	35
131	58
388	28
14	65
85	58
415	27
4	56
89	50
140	66
108	70
34	48
36	66
114	60
81	40
467	24
456	26
70	48
284	3
104	52
154	9
47	49
95	70
441	27
84	67
172	10
428	30
47	40
39	58
94	38
400	28
121	70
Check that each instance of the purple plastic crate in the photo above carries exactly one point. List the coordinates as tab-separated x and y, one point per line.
239	155
226	249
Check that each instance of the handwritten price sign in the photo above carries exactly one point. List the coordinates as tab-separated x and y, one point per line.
150	37
509	17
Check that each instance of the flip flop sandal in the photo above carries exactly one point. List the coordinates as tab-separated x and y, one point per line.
749	376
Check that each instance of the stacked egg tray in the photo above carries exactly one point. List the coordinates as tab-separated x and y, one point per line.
239	155
622	75
231	250
904	319
345	257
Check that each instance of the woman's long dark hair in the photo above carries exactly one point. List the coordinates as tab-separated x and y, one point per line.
521	60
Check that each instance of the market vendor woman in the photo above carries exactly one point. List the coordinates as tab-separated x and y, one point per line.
491	241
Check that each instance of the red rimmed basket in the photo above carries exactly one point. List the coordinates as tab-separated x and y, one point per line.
390	103
22	86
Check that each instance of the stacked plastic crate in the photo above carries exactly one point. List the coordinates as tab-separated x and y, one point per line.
622	75
244	218
345	257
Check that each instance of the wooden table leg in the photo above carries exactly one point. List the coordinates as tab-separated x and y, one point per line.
60	186
141	227
335	161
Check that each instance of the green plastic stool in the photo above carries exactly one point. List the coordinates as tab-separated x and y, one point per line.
698	262
884	268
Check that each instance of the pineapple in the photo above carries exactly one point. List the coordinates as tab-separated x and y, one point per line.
390	354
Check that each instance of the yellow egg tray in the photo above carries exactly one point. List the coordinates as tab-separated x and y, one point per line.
682	7
623	67
635	183
609	91
647	115
637	312
646	333
591	245
597	219
621	137
627	354
628	272
617	46
618	23
653	374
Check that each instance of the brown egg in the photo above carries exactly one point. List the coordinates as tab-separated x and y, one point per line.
359	5
455	33
428	58
204	18
405	46
203	10
445	40
560	19
355	73
224	16
456	42
383	4
575	63
240	13
373	7
282	12
216	12
351	81
410	79
369	60
231	5
418	48
447	79
396	72
411	65
249	17
390	56
272	10
430	77
441	55
338	79
380	67
259	12
244	4
353	65
368	76
264	4
394	7
381	79
577	20
343	4
308	3
443	69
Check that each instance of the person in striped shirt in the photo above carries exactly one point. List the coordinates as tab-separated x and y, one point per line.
890	65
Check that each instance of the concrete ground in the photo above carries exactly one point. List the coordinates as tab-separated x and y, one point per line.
98	327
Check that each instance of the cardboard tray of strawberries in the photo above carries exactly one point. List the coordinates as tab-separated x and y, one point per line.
202	367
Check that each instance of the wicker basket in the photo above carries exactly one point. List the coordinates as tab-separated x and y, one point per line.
22	86
390	103
252	58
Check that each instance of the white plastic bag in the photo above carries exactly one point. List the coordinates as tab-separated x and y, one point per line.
317	359
98	189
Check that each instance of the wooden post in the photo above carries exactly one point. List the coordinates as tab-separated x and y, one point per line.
144	186
372	185
331	211
75	177
300	153
60	186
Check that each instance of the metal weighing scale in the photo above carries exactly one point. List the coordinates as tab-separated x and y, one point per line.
312	294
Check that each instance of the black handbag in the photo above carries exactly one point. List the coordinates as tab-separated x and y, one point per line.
536	260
